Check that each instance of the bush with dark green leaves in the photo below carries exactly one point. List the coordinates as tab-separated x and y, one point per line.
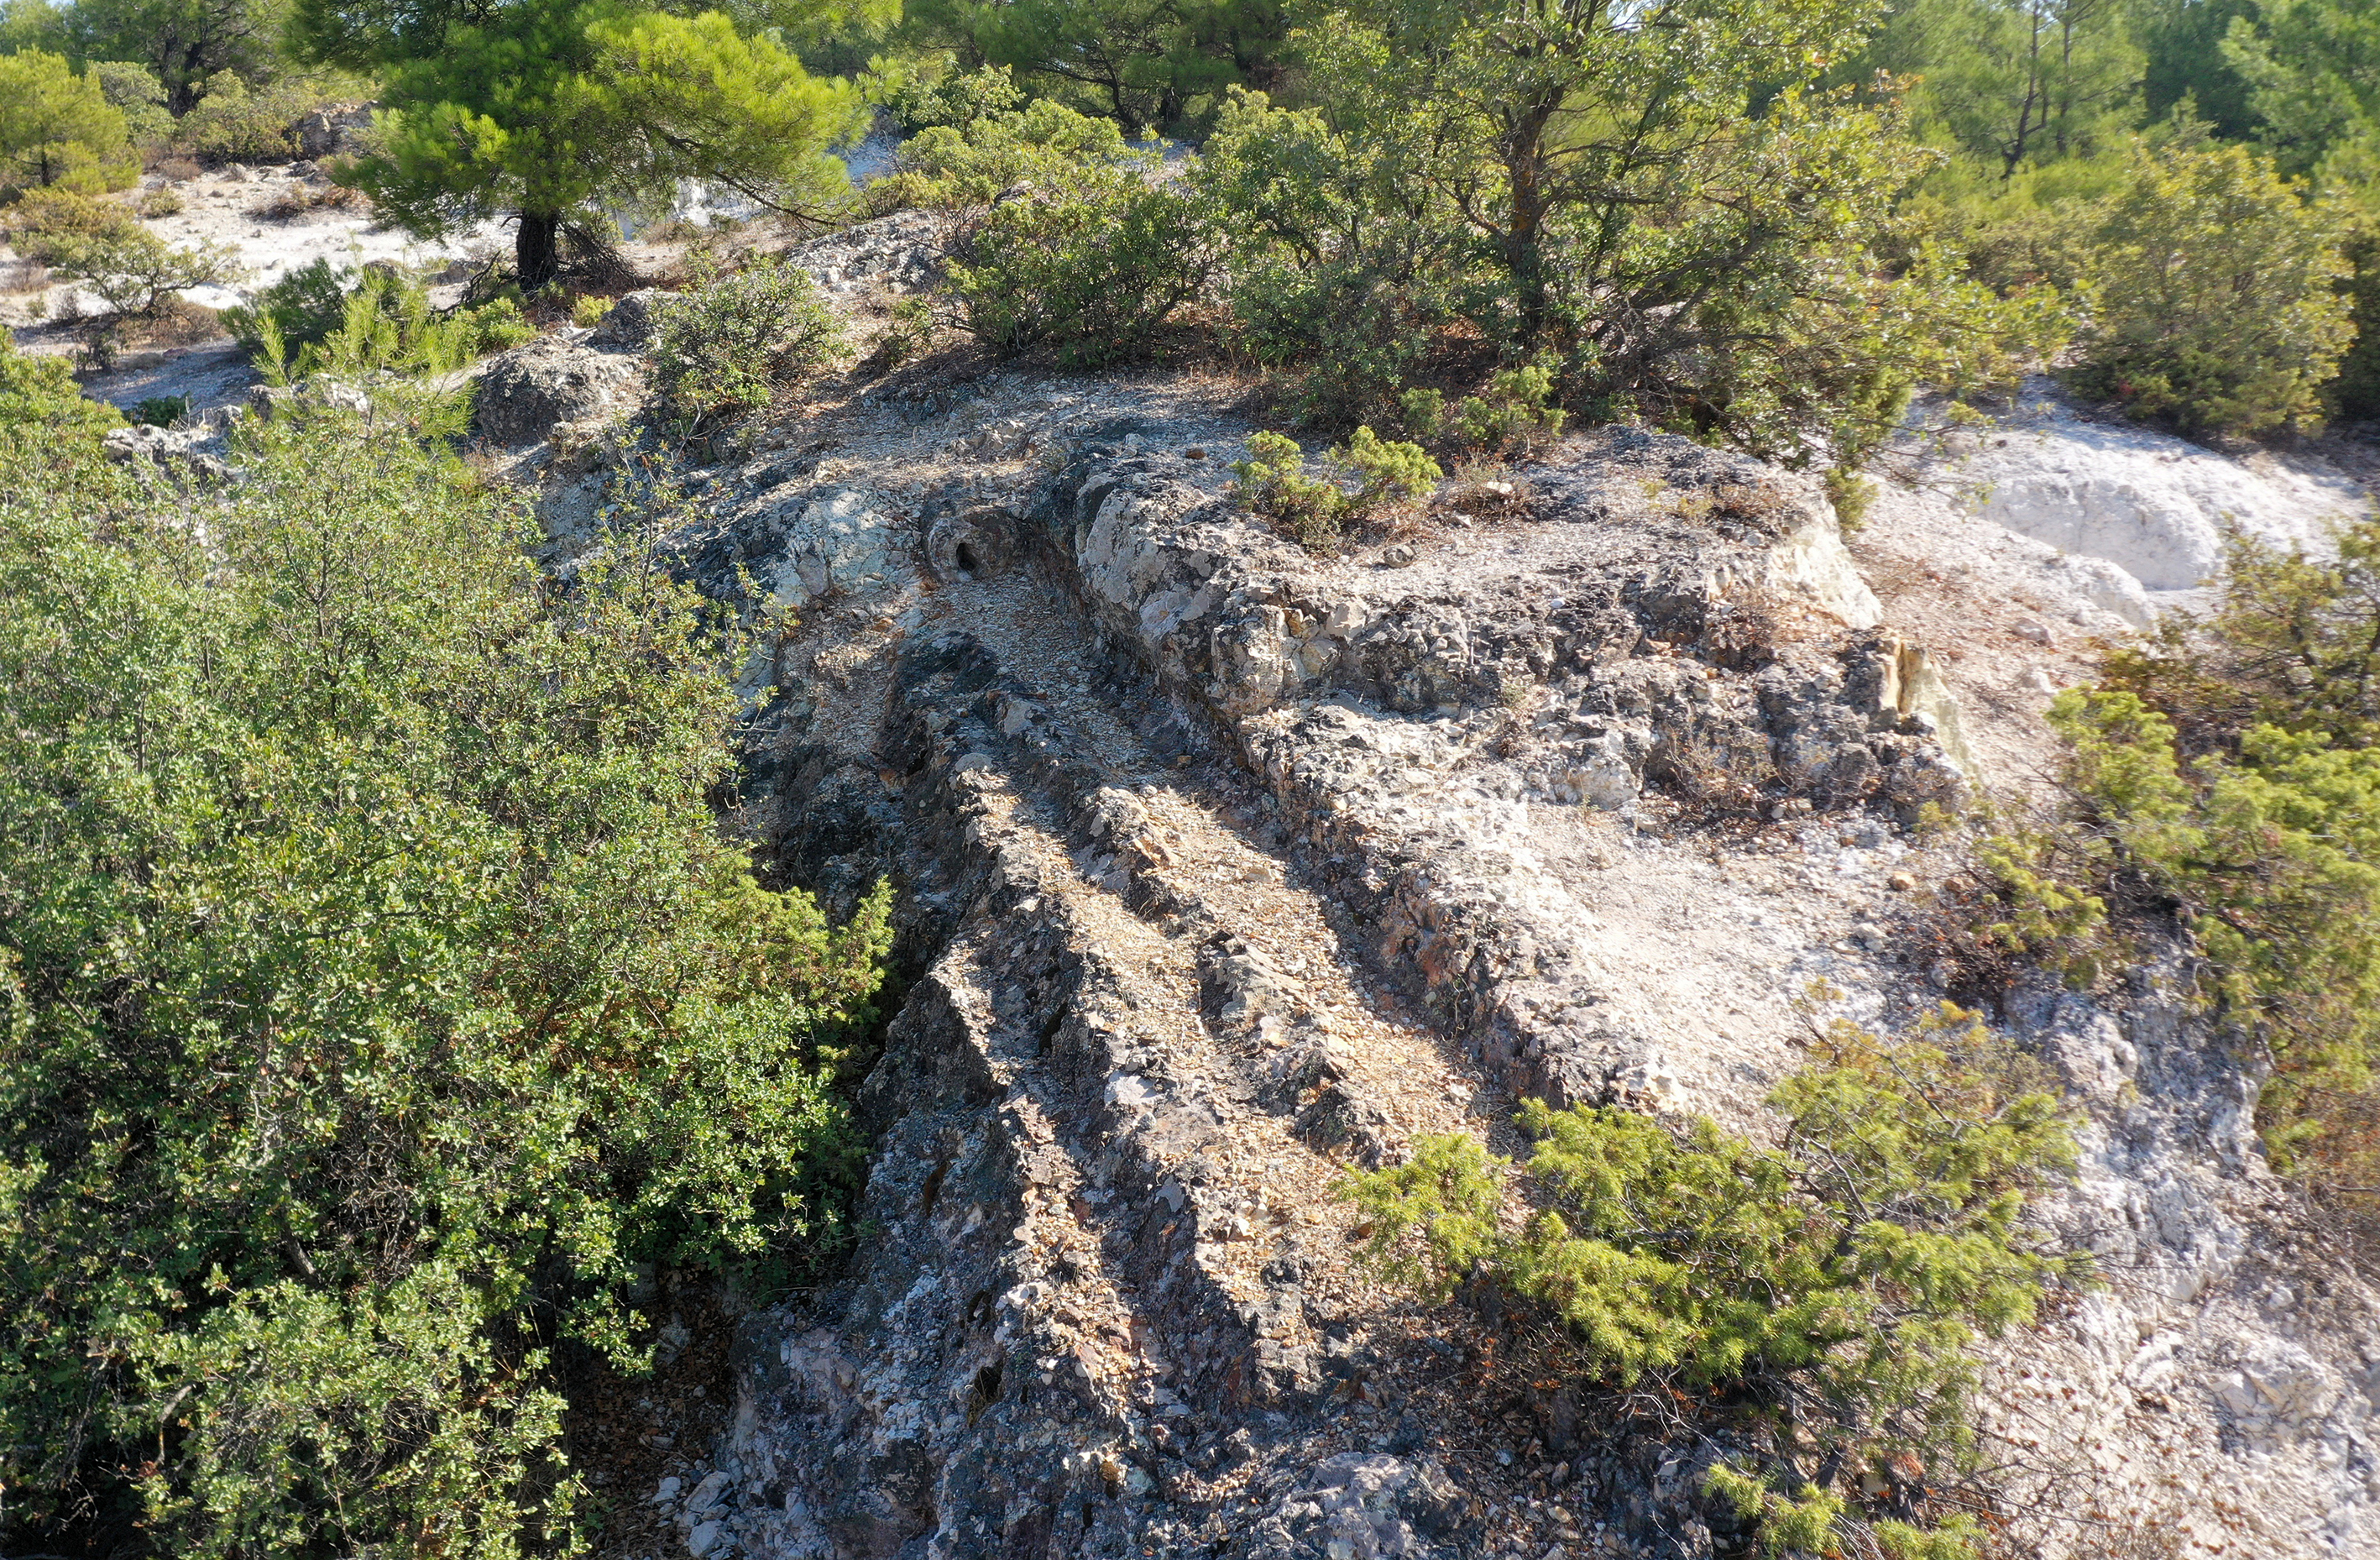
301	308
1089	270
316	321
1669	205
377	992
962	166
2216	305
40	399
732	343
931	96
1836	1278
2225	784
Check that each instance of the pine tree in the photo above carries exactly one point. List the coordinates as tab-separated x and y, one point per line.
547	109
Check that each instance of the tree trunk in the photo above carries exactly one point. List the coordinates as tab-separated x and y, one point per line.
537	248
1524	167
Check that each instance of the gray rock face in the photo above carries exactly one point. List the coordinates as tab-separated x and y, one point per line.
1223	868
334	130
525	393
628	323
900	252
187	454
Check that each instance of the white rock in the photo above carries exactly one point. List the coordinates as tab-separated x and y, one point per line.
704	1538
2151	504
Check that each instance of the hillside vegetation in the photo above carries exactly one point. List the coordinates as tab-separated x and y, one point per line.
382	1005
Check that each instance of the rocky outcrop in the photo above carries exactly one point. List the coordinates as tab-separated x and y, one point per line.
1407	721
1224	867
2142	513
334	130
524	393
629	323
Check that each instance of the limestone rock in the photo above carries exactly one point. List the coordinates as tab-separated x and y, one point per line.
523	394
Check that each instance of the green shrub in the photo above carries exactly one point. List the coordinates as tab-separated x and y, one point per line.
1089	271
1316	510
1325	276
2228	770
1513	417
907	334
1838	1279
588	309
2353	176
1850	493
57	127
452	1003
160	411
731	343
39	398
234	124
2216	307
304	305
929	94
134	92
965	166
104	245
313	321
498	325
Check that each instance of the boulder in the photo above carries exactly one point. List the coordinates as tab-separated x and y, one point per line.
2154	506
334	130
630	321
524	393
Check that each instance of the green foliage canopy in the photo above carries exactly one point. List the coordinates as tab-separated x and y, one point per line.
189	45
375	992
1140	62
2216	305
731	343
547	109
1668	202
56	124
2312	68
2230	767
1841	1276
2016	80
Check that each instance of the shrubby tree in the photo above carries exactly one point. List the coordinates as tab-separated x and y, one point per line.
1837	1278
376	990
135	91
1140	62
2312	68
2226	784
56	125
2017	80
1667	201
2183	42
2214	303
104	245
731	343
40	400
549	109
188	44
1064	239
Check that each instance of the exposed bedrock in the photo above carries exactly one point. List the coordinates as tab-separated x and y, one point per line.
1223	868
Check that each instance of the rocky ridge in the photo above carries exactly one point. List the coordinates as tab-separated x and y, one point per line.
1224	867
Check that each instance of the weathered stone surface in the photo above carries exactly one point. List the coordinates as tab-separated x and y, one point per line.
334	130
524	393
629	323
1177	811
